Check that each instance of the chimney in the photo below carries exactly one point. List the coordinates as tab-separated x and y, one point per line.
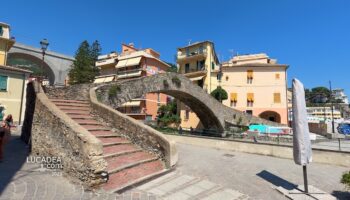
131	44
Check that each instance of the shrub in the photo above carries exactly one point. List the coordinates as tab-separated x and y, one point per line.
113	91
346	179
176	81
165	83
219	94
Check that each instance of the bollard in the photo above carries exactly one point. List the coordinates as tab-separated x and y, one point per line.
339	144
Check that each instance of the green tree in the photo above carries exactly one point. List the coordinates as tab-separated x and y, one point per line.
346	179
167	114
219	94
95	50
83	69
173	67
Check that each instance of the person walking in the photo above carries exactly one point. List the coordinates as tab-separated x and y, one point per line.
5	135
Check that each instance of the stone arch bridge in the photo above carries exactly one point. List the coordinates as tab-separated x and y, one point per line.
55	65
212	113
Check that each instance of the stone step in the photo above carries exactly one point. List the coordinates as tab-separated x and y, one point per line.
87	122
125	178
69	101
76	112
111	155
108	140
115	143
79	116
113	135
74	108
72	104
119	163
103	133
94	127
118	148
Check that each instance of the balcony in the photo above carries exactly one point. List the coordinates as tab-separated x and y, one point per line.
129	73
104	62
192	55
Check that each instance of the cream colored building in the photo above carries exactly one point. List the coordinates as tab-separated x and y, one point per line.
13	80
197	61
323	113
256	85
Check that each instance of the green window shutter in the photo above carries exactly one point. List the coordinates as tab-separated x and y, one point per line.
1	31
3	83
212	65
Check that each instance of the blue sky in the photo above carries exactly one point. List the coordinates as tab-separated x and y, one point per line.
312	36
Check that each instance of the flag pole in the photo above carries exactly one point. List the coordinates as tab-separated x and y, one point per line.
305	179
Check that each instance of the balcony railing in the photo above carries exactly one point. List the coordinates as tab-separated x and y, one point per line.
196	53
109	61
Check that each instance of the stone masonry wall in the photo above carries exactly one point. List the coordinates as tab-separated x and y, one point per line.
139	133
55	134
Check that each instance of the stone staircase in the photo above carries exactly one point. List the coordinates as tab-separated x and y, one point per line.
128	165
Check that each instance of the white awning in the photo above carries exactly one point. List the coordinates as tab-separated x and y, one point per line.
104	79
99	80
131	74
109	79
132	104
128	62
197	78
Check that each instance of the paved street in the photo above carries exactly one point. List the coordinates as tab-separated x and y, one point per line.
202	173
256	175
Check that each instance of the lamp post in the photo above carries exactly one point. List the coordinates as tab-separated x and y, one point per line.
43	43
331	99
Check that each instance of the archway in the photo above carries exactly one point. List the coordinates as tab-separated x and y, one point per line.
33	63
271	116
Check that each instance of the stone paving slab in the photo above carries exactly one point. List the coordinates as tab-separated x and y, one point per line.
298	193
177	186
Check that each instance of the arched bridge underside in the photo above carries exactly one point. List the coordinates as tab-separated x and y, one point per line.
212	113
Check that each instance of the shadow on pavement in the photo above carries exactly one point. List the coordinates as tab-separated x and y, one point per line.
276	180
15	156
341	195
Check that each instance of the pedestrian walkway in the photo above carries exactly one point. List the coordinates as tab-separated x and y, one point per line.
177	186
22	180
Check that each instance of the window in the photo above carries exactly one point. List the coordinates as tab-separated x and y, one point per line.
3	83
277	76
1	30
226	78
187	114
249	112
187	52
187	67
249	76
250	99
233	99
201	49
276	97
212	65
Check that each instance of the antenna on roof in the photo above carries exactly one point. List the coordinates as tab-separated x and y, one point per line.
232	52
189	41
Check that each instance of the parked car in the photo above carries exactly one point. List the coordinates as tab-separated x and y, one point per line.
344	128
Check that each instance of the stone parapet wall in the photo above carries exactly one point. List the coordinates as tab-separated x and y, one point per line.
74	92
139	133
55	134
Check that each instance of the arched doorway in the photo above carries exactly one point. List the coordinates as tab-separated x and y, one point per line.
271	116
32	63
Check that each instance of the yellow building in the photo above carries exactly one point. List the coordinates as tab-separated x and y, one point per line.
13	80
197	61
5	42
256	85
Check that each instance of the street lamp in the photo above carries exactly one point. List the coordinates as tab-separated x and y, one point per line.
43	43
